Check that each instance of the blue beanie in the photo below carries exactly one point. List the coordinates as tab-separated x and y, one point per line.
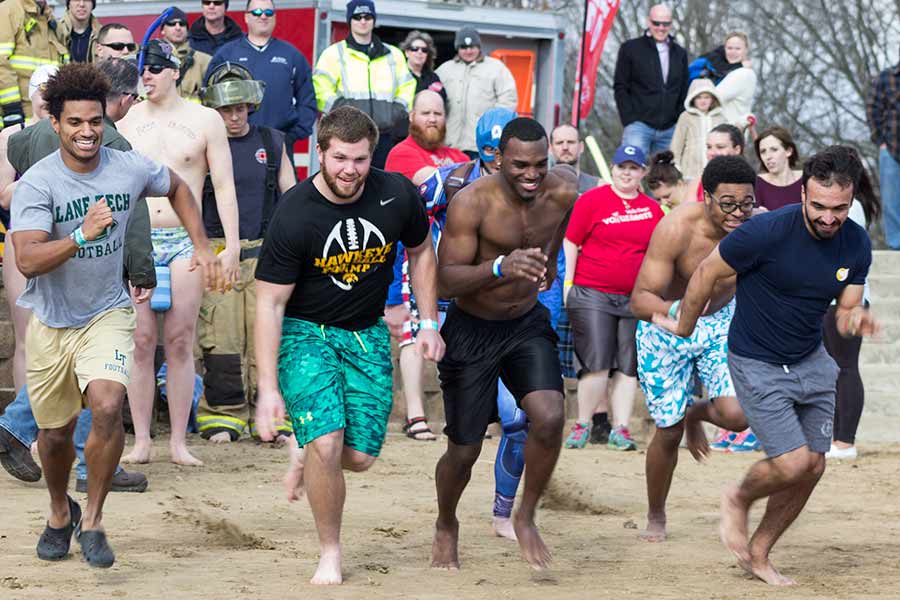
360	7
490	128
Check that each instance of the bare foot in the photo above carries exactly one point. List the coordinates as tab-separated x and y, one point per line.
223	437
733	526
503	527
329	570
656	530
140	454
444	553
695	438
764	570
293	479
533	549
181	456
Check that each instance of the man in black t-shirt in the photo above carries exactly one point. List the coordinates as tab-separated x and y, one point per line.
790	264
262	172
322	350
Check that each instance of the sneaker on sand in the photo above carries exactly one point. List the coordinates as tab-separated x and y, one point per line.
620	439
600	433
723	440
579	435
745	441
16	458
842	453
123	481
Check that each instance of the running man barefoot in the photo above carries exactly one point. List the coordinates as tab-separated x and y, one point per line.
71	210
191	140
322	349
666	363
790	264
493	261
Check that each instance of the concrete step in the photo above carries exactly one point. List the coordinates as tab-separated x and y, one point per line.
879	352
886	261
882	378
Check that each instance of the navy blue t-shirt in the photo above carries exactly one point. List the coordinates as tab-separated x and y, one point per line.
786	281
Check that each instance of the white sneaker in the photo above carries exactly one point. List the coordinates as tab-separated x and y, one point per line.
842	453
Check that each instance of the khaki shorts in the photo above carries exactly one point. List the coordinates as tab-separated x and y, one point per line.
62	362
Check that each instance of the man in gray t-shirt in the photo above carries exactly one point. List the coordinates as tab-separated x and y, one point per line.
70	212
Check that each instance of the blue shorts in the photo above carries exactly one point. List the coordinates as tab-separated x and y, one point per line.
666	365
170	243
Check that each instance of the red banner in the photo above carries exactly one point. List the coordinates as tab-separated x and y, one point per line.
598	21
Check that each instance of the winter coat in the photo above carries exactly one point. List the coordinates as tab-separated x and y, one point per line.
65	27
736	92
689	139
203	41
641	95
472	90
193	71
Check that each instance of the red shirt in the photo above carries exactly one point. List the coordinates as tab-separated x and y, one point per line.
408	157
613	234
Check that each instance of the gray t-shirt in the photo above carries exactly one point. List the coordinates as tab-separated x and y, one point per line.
50	197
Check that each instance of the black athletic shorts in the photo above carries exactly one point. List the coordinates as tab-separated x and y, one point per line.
522	352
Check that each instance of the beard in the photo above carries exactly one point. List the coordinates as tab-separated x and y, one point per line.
572	161
429	138
332	184
817	231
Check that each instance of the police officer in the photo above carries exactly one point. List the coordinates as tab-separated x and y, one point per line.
262	172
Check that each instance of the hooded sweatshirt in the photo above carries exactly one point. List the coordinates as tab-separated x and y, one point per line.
689	139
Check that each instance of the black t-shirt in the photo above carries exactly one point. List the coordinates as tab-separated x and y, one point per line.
79	44
786	281
341	256
248	158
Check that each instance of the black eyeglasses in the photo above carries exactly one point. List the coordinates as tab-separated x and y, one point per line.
422	49
363	17
118	46
258	12
661	23
211	2
729	206
155	69
176	23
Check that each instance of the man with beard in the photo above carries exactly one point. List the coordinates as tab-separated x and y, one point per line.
493	261
790	264
666	363
566	149
423	151
322	349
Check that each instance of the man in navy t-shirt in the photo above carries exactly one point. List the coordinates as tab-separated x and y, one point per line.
790	265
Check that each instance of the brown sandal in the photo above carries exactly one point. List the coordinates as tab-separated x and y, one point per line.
407	429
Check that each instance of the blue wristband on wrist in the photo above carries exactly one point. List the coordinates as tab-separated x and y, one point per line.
429	324
78	237
673	310
496	266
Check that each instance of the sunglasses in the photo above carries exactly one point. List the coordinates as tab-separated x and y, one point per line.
176	23
729	206
155	69
119	46
258	12
363	17
661	23
422	49
211	2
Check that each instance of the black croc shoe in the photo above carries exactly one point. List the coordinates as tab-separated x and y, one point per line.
54	543
95	548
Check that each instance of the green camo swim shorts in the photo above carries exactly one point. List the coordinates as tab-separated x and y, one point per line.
335	379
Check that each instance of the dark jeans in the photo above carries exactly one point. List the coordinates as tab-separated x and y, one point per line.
848	404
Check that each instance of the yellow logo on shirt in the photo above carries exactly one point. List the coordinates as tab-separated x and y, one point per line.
842	274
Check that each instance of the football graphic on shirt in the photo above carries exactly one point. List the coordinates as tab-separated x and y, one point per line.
354	248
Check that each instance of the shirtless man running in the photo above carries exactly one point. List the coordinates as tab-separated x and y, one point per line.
493	261
666	363
191	140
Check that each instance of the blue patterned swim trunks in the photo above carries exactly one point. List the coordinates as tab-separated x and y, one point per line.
170	243
666	365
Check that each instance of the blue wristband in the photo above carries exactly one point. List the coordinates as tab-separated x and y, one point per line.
673	310
495	269
78	237
429	324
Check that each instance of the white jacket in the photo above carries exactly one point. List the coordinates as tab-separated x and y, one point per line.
736	93
472	90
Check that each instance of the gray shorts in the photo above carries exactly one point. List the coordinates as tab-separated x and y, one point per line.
787	406
603	328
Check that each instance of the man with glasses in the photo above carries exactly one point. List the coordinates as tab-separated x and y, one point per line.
475	83
18	426
365	73
650	83
114	41
214	29
78	29
193	62
191	139
666	362
289	104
